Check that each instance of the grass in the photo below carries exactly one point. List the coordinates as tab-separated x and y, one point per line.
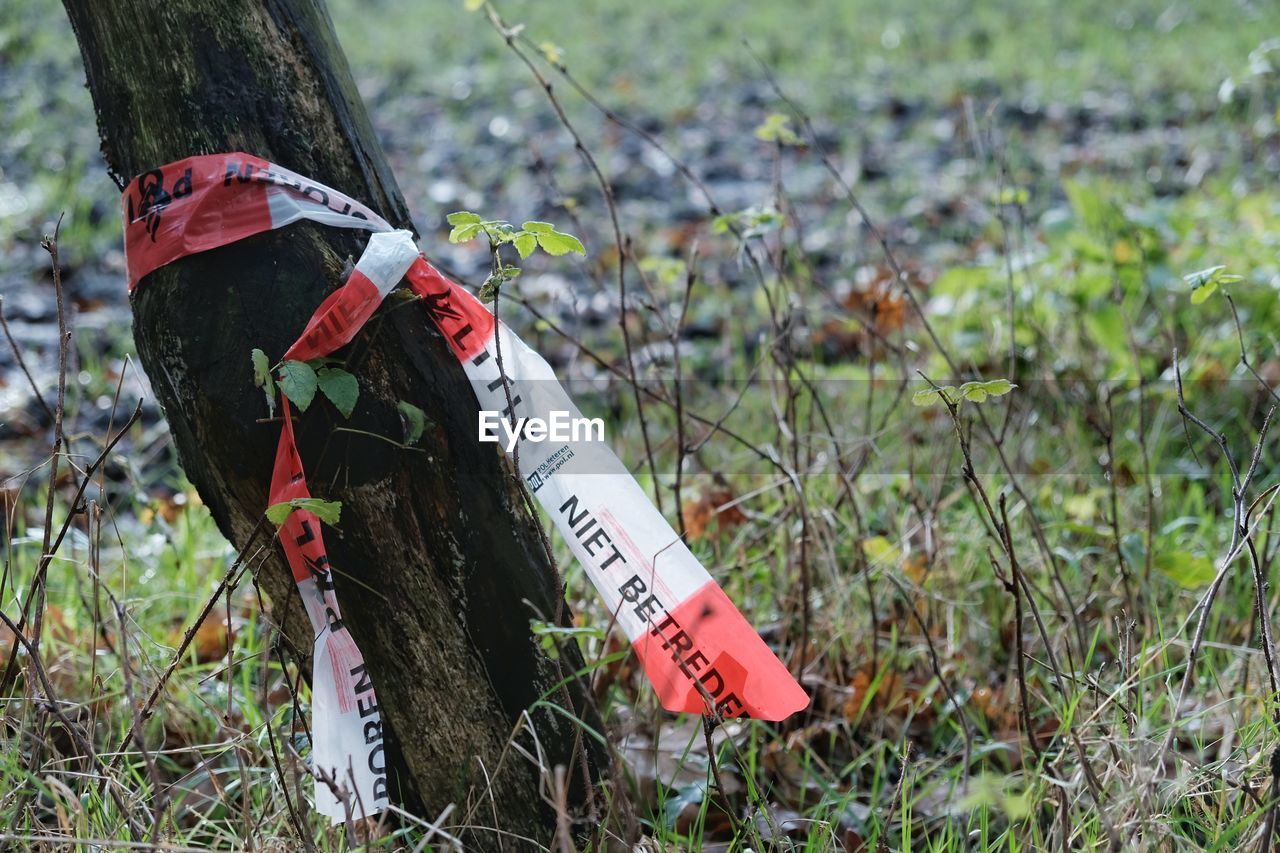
953	708
667	54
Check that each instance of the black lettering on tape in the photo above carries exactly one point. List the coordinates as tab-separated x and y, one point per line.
614	556
632	589
509	410
318	194
234	170
594	540
695	662
647	608
365	683
307	533
568	507
438	305
677	643
582	522
669	622
719	682
377	753
319	568
183	186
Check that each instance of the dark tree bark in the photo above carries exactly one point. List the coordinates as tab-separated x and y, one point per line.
439	564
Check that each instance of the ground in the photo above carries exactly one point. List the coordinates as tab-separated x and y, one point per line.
992	596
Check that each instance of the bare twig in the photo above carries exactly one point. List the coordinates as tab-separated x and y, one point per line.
511	36
50	245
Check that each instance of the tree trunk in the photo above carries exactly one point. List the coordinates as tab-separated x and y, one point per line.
439	563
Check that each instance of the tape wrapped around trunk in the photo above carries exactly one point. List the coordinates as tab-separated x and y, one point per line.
698	651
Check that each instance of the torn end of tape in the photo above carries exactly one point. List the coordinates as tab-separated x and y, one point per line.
704	657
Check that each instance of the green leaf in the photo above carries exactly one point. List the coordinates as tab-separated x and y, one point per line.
998	387
1012	195
1204	283
1189	571
552	52
550	635
930	396
926	397
261	369
340	387
1202	277
298	382
761	221
327	511
980	391
262	378
1202	293
463	233
777	128
668	271
755	221
526	242
278	513
881	551
463	217
559	243
539	227
414	421
473	5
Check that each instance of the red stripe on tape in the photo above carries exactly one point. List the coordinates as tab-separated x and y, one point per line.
727	667
300	535
201	203
191	206
467	325
337	319
343	658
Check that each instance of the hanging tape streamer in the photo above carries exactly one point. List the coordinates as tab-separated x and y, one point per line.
697	649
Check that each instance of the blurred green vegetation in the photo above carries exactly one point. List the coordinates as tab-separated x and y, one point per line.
668	55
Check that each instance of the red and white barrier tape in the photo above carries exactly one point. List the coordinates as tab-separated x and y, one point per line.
697	649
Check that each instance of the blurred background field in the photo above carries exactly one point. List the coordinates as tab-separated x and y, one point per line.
1050	176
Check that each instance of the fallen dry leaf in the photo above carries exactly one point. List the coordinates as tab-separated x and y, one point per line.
212	638
713	506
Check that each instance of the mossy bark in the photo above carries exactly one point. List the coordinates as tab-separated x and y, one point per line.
438	561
